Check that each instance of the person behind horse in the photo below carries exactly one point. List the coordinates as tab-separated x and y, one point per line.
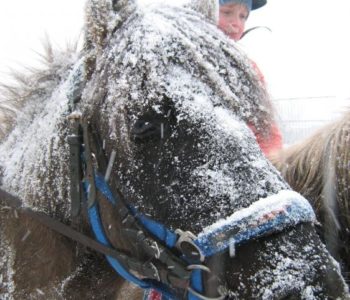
233	15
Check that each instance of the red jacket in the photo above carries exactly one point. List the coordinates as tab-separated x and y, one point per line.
272	142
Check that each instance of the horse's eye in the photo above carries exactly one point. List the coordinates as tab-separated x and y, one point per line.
143	129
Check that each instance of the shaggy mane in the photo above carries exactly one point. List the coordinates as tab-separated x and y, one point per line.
34	84
318	168
301	163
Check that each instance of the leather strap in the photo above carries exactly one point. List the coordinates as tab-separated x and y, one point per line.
16	203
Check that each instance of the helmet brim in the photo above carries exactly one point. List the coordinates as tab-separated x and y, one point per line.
258	3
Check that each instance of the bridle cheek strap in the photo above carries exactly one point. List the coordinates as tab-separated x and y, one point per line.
97	227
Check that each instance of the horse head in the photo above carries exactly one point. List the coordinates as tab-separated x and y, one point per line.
171	96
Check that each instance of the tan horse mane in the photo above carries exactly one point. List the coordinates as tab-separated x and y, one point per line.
319	169
302	164
34	83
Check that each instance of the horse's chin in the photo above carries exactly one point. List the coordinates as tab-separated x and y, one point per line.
271	268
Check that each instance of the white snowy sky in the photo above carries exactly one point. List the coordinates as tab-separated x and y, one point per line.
306	54
24	25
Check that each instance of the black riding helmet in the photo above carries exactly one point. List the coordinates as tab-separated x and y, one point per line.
258	3
253	4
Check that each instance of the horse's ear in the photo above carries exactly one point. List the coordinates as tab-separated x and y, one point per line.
209	8
101	18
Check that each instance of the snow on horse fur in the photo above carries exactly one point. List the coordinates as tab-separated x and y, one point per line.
172	95
35	84
318	168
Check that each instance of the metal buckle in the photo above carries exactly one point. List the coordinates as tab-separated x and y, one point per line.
187	247
191	290
151	271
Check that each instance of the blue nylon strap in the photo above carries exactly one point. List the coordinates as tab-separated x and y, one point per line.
159	230
104	188
264	217
97	227
196	284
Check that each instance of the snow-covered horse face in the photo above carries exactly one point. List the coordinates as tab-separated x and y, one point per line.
172	96
189	159
174	107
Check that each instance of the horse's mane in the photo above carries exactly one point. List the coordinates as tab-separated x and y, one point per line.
34	85
301	163
318	168
35	130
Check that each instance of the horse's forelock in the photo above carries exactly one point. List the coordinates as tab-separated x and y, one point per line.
102	17
139	54
208	8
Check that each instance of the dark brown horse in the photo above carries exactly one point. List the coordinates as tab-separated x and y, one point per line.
319	169
170	96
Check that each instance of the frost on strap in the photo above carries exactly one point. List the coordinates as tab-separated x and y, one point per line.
264	217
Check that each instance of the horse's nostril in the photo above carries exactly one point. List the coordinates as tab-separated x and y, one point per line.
143	129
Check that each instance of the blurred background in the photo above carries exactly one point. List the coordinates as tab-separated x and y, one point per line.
303	50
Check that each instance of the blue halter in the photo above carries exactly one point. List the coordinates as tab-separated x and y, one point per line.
264	217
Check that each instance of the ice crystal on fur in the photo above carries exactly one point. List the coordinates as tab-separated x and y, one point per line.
33	155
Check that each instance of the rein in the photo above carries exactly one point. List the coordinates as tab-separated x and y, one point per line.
67	231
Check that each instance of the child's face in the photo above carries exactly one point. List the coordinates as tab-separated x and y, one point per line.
232	18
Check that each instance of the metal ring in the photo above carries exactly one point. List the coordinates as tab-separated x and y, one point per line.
200	296
186	233
188	237
199	267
